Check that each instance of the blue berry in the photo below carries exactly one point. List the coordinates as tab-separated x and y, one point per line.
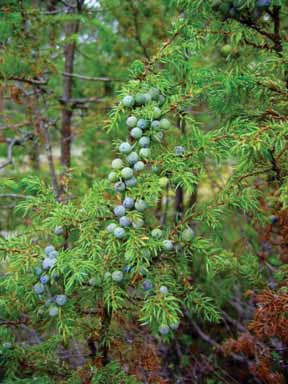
167	245
44	279
164	330
117	164
136	133
119	210
273	219
132	158
53	311
119	186
127	173
61	300
164	290
48	263
147	285
117	276
111	227
156	233
53	255
131	121
142	123
125	147
58	231
144	141
155	124
131	182
128	101
128	202
139	166
38	271
140	205
38	288
119	232
49	249
124	221
145	152
179	150
263	3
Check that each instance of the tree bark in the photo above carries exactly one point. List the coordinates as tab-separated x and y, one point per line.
67	112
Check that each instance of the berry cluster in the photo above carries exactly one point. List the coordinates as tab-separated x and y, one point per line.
46	281
241	9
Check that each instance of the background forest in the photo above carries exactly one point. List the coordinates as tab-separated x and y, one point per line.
143	191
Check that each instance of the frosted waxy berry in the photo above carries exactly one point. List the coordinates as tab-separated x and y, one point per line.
113	176
7	345
164	330
53	255
125	147
140	205
131	182
117	164
179	150
128	202
163	181
61	300
119	210
131	121
144	141
145	152
155	93
127	173
167	245
44	279
38	271
94	281
174	326
140	99
165	124
148	97
117	276
155	124
164	290
156	233
119	232
142	123
137	223
48	263
124	221
139	166
132	158
156	113
119	186
136	133
110	228
187	234
49	249
147	285
53	311
38	288
58	231
128	101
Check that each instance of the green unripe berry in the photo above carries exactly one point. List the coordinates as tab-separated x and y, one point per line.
127	173
156	113
139	166
155	93
136	133
163	182
113	176
165	124
128	101
187	234
131	121
156	233
144	152
117	276
140	99
117	164
167	245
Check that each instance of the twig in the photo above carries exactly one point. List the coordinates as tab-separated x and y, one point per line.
11	144
88	78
